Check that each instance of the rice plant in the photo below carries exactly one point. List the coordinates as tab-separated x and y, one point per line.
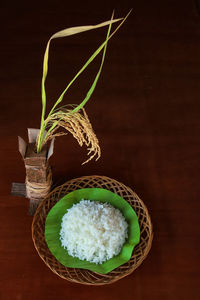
73	118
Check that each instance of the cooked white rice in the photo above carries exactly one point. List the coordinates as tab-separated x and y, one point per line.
93	231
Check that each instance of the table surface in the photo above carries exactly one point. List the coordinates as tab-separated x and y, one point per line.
145	112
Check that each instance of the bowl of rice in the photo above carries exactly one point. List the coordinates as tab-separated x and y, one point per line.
93	229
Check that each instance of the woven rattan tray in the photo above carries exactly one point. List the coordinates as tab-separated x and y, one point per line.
85	276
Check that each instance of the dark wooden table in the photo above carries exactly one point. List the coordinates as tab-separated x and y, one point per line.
145	112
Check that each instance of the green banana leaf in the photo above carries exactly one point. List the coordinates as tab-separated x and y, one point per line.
53	227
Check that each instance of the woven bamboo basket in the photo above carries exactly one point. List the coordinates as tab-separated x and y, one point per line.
85	276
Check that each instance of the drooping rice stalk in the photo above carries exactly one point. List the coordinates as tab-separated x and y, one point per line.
74	119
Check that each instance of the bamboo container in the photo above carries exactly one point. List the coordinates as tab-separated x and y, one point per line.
38	172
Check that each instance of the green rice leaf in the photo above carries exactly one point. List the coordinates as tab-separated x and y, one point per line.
103	57
91	90
64	33
86	65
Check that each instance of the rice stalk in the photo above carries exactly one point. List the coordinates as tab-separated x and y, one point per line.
63	33
74	120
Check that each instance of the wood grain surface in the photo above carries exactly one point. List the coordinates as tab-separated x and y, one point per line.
145	112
